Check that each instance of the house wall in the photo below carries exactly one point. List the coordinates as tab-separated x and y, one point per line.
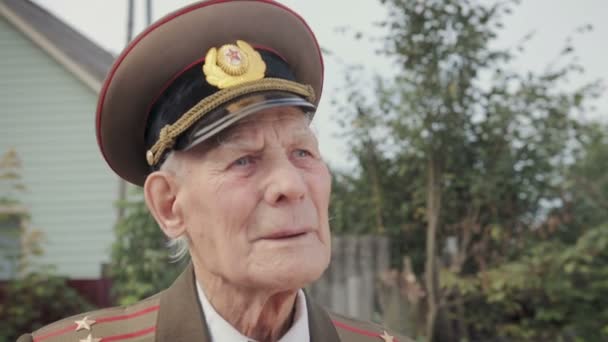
47	115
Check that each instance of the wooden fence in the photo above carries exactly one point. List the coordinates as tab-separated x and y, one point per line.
349	286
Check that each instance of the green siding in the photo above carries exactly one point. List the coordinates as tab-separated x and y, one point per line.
47	115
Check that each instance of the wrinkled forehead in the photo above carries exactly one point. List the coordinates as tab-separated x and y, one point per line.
292	123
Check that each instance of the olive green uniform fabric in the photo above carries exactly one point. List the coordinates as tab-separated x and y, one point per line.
175	315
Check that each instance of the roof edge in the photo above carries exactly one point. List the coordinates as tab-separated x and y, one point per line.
45	44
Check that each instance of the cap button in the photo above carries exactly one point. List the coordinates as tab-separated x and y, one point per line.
150	157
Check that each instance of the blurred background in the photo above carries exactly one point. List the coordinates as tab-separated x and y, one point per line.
466	140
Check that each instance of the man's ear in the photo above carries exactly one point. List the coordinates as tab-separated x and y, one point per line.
160	192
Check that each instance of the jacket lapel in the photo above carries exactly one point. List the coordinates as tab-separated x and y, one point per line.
180	317
320	325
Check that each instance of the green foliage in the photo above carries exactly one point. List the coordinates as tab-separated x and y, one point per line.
11	185
36	296
586	186
37	299
554	292
140	264
520	178
501	143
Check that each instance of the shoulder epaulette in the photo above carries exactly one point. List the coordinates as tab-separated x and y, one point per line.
111	324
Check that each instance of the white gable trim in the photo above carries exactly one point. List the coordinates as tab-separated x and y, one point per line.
89	80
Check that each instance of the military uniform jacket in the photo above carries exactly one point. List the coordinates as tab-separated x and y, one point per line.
174	315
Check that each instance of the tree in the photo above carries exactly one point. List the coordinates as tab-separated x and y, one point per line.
585	190
140	265
473	153
552	292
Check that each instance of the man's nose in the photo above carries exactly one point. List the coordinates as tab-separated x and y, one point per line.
285	183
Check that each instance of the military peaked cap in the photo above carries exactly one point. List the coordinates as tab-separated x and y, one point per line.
197	71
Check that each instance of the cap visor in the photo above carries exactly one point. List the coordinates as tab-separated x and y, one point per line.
230	113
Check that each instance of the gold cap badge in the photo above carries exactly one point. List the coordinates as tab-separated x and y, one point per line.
231	65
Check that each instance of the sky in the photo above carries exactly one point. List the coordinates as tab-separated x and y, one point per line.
552	21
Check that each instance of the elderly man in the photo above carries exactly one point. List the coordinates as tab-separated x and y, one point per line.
209	111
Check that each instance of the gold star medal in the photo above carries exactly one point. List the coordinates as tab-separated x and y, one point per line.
84	323
386	337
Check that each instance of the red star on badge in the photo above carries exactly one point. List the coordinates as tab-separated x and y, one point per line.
234	55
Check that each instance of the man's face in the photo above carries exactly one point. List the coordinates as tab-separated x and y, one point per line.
256	206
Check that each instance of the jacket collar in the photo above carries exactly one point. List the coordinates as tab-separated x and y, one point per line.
181	319
321	327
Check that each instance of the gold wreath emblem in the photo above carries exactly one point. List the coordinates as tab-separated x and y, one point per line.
233	64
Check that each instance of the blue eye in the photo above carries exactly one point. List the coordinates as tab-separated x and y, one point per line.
243	161
302	153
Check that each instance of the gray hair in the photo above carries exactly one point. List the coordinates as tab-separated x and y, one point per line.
178	248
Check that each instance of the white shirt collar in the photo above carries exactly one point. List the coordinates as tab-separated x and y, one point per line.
220	330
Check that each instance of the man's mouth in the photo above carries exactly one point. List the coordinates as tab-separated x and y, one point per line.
285	234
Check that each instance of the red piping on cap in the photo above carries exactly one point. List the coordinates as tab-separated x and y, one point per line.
168	83
154	26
